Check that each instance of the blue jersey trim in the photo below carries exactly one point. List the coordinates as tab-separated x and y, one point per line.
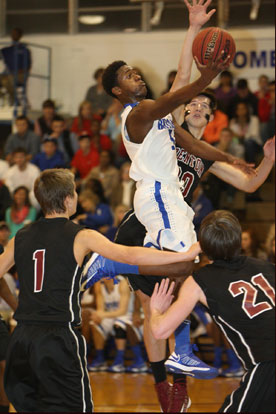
161	205
131	104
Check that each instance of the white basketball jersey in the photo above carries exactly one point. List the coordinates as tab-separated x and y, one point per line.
112	298
155	158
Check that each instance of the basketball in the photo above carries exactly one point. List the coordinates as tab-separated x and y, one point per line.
213	39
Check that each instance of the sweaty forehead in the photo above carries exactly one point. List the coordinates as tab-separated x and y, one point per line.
123	70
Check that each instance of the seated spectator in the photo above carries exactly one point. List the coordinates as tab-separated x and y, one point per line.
50	156
113	315
250	244
43	125
170	79
246	128
119	213
263	96
123	193
23	138
106	173
111	124
225	91
99	141
4	234
22	173
4	166
245	96
21	212
86	158
97	96
17	59
201	206
268	128
97	215
67	141
95	185
229	143
83	121
5	199
214	127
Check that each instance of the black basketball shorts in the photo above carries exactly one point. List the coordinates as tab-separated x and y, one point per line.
4	339
46	369
132	233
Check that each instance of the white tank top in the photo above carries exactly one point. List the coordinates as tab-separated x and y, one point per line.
155	158
112	298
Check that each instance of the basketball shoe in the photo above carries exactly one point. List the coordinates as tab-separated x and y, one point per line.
97	365
137	367
183	360
115	367
163	390
180	401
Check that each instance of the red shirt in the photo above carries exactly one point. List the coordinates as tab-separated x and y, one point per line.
105	143
84	163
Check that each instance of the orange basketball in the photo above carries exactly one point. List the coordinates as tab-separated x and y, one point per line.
216	39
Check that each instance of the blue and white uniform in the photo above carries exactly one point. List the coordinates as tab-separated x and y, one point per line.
158	201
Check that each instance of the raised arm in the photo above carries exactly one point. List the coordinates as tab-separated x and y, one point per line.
165	318
240	179
90	240
7	295
204	150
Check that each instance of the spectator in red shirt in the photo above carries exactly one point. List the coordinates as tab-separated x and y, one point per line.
99	141
83	121
264	105
86	158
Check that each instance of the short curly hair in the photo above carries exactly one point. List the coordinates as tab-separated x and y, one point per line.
109	79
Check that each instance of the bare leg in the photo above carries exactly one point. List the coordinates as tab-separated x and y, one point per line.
3	397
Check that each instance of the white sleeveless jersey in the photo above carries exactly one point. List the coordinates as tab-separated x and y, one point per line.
155	158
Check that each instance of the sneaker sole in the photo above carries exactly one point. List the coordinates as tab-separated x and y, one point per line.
199	373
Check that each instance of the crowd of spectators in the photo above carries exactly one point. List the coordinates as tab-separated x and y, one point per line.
90	144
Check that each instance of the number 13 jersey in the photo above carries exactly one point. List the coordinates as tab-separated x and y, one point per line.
49	276
241	298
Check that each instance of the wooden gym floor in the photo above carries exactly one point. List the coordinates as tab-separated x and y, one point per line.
135	393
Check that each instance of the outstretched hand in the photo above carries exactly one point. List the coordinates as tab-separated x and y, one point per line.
162	296
213	67
269	149
198	15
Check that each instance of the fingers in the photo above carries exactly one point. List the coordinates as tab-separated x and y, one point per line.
199	65
208	2
211	12
187	4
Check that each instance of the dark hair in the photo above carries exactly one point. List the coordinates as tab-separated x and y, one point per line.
272	83
22	118
254	241
51	189
210	95
20	150
48	104
242	84
110	76
227	74
248	110
98	72
27	200
96	186
58	118
220	235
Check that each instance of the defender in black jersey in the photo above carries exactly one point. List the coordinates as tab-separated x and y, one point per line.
239	292
46	362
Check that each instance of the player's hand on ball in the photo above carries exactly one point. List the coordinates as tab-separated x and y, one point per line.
162	296
213	67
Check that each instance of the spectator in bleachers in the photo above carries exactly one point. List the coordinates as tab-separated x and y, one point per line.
4	234
270	244
170	79
114	310
244	95
225	91
246	128
50	156
97	215
67	141
18	61
4	166
99	141
229	143
214	127
95	185
83	121
21	212
119	213
106	173
111	124
268	129
250	244
43	124
22	173
123	193
97	96
263	96
86	158
23	138
5	199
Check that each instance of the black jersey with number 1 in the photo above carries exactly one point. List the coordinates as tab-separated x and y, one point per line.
49	276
